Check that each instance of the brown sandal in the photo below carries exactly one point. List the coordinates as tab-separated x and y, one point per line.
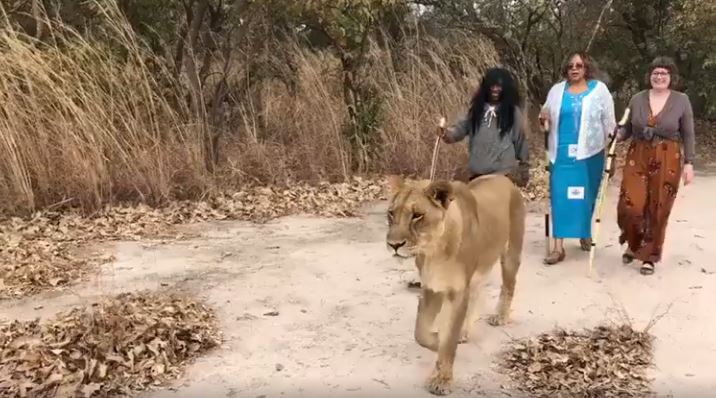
555	257
647	268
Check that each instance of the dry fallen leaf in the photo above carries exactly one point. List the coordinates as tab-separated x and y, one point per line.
36	253
606	361
91	388
39	253
123	344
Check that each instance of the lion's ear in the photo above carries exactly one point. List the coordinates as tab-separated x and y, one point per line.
440	192
395	183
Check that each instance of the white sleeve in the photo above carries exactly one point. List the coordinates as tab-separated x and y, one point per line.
608	116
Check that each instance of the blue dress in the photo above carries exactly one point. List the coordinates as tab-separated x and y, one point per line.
574	183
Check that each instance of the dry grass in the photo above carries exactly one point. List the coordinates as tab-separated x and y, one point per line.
428	88
293	137
299	137
85	122
80	124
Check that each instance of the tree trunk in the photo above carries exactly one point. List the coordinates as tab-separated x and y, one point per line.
194	26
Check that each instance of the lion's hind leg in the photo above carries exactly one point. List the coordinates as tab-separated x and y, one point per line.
507	291
510	262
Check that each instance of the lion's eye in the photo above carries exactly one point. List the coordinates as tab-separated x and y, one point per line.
390	215
417	216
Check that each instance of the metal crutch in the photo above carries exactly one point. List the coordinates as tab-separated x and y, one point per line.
548	242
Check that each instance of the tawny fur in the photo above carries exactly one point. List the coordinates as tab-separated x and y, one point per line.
456	232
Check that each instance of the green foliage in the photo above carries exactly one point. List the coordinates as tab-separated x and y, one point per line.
347	25
155	20
535	35
694	29
362	133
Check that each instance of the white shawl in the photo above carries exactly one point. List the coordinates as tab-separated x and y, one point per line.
597	123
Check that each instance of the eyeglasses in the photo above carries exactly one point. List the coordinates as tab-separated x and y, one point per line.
660	73
575	66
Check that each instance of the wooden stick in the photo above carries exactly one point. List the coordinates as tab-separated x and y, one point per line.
607	6
603	187
433	165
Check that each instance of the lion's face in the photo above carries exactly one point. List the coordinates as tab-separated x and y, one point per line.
415	215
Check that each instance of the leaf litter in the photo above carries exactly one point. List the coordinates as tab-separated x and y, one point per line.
39	253
606	361
123	344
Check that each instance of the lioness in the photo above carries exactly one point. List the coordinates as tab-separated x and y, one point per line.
456	232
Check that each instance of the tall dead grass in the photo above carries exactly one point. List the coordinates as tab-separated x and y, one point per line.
286	137
302	134
85	123
82	123
437	79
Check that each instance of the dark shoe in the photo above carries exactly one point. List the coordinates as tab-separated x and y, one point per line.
555	257
628	257
647	268
586	244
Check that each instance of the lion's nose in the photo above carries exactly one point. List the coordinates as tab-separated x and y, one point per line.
396	245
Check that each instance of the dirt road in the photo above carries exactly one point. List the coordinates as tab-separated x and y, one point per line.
317	307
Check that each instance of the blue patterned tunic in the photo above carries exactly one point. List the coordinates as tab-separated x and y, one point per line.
574	183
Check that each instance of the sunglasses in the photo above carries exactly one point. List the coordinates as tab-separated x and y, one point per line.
575	66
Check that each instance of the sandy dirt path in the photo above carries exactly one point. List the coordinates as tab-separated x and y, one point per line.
317	307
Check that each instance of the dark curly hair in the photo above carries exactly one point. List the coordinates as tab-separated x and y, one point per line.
509	99
590	69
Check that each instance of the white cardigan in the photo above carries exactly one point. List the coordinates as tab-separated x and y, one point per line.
597	123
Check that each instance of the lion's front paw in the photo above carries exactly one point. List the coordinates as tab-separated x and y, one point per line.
439	384
497	320
464	336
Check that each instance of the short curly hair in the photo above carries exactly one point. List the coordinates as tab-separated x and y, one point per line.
665	63
590	70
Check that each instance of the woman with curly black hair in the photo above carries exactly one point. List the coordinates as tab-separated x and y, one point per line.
496	129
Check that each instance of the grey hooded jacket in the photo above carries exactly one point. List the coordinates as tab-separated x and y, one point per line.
489	153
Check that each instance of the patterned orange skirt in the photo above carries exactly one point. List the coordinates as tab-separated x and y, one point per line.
649	187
